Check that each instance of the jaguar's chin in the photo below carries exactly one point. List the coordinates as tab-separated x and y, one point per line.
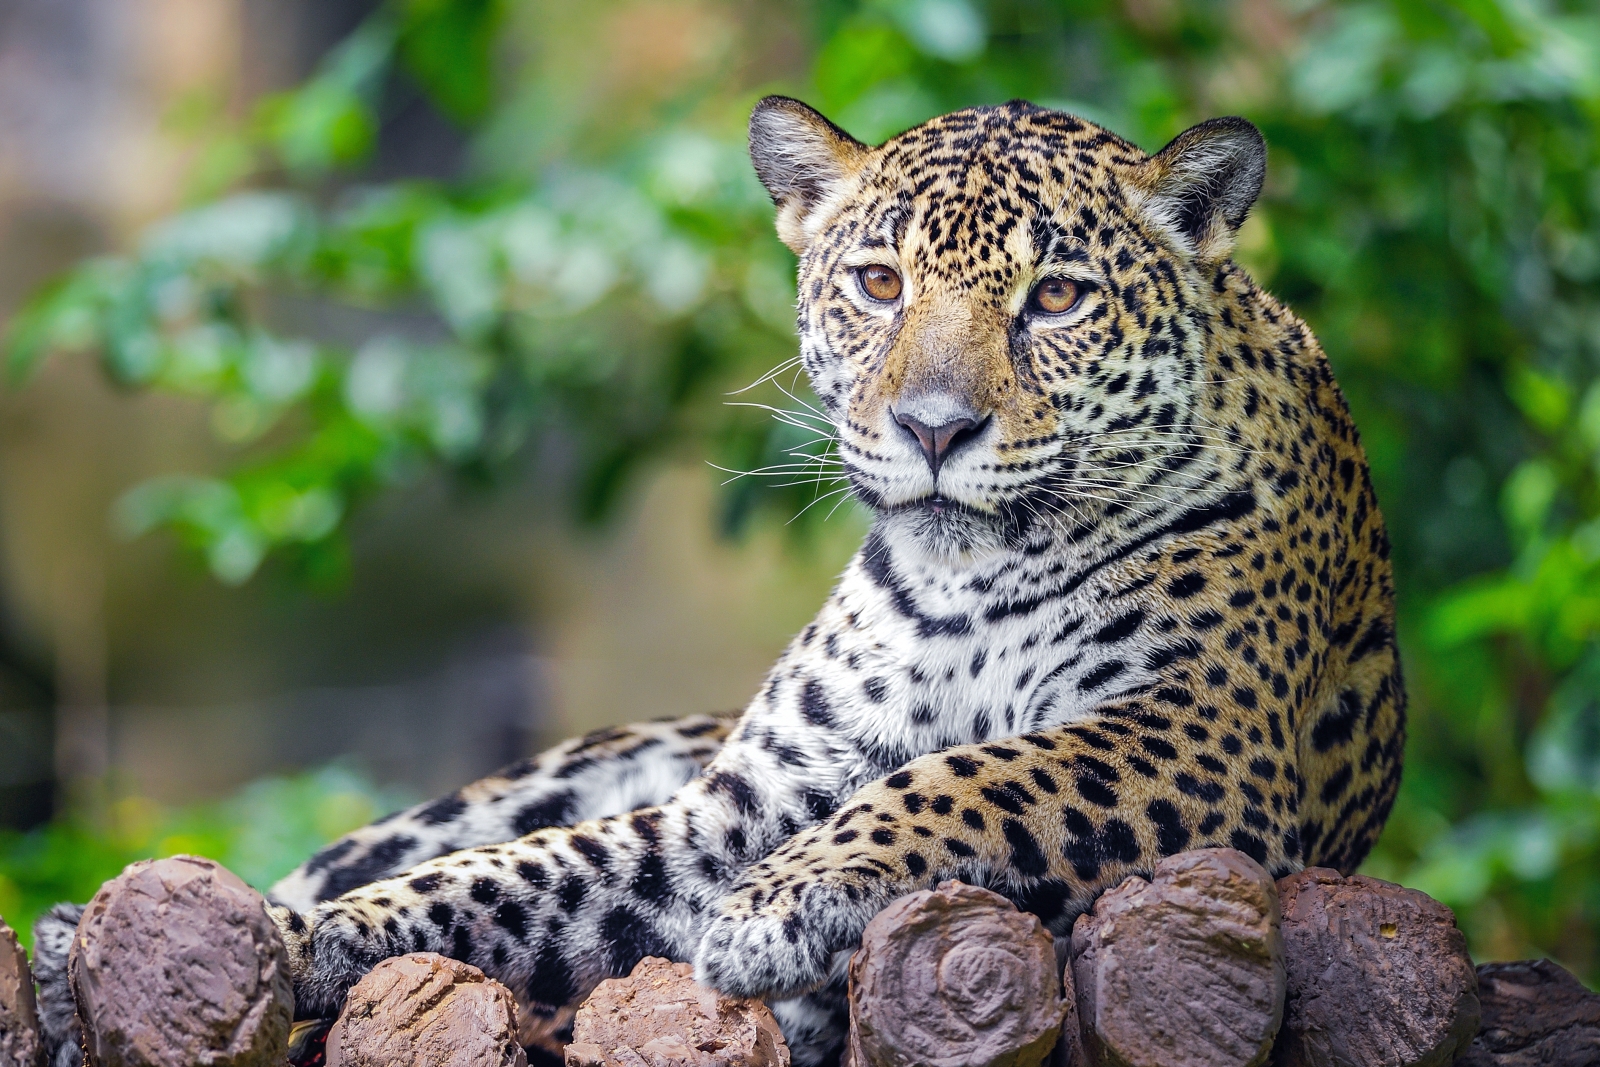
940	526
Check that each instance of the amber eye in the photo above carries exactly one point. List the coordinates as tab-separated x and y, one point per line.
1055	295
880	283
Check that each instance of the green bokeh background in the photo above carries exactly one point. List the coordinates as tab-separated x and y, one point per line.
605	270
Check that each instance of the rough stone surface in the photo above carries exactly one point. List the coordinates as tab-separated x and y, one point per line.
659	1016
20	1044
954	977
1069	1049
1535	1014
422	1010
1379	975
176	964
1187	968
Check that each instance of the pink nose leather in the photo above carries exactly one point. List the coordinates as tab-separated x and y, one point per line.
938	441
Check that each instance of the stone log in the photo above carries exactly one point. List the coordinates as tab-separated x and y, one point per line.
1379	975
1070	1050
175	963
424	1009
1187	968
1535	1014
954	977
20	1043
659	1016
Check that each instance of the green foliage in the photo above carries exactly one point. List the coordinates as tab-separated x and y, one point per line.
261	834
448	45
1432	208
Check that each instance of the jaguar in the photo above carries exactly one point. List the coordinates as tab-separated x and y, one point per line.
1126	591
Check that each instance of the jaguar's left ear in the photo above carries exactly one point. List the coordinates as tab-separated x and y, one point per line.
1201	186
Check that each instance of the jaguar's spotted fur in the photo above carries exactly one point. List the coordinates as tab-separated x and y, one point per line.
1127	592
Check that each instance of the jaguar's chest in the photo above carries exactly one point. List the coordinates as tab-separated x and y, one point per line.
915	662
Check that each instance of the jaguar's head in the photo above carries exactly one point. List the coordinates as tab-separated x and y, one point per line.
1004	310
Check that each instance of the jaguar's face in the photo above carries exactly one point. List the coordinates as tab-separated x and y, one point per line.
997	318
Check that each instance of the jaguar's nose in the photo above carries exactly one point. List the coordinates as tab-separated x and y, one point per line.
938	439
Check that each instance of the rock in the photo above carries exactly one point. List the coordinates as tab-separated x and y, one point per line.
176	964
422	1010
659	1016
954	977
1069	1050
1379	975
20	1043
1534	1015
1187	968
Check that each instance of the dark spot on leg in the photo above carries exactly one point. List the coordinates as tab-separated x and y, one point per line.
1095	791
1250	845
571	893
650	880
332	854
961	766
555	810
628	938
593	851
1118	841
379	862
512	918
1171	834
736	789
1026	857
551	980
959	848
1047	899
443	810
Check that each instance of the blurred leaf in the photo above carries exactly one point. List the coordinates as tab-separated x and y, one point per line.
317	128
1545	400
330	120
448	46
944	29
64	316
239	238
1528	495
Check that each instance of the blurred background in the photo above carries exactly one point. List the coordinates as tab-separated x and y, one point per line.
371	409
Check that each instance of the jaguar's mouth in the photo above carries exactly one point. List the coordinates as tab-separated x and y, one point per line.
938	506
937	511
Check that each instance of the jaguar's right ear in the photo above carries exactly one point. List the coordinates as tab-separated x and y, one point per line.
802	159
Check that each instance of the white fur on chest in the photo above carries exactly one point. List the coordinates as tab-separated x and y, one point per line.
927	656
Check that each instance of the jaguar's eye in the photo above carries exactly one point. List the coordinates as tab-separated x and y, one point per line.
879	282
1053	296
